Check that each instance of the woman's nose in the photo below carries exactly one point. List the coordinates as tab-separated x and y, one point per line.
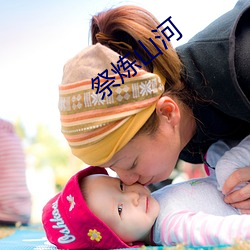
126	177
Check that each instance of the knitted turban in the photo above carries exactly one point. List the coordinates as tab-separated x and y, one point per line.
104	102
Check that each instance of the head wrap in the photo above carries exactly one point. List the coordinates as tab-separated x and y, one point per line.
70	224
98	122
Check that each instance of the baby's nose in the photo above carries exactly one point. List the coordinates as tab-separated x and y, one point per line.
133	197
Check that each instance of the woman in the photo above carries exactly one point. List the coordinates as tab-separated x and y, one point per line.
206	96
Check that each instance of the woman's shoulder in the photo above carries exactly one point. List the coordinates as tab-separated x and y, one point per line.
209	65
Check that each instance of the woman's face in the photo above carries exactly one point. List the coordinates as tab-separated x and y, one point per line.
147	159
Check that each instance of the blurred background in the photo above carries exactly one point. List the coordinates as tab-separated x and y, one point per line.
36	40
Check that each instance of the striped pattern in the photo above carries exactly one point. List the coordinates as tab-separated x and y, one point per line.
15	201
86	118
95	125
201	229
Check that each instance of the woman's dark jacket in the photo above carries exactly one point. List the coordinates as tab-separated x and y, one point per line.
217	67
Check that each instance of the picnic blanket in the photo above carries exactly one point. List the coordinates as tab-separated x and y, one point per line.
33	238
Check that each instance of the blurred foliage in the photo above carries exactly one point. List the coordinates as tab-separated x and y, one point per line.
45	150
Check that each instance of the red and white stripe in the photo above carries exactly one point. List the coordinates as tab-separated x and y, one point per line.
15	200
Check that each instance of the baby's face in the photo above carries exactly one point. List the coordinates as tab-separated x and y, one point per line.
130	211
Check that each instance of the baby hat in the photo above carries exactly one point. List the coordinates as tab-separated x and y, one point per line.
104	100
69	223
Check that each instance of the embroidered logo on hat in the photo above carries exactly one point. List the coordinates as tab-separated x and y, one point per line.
60	224
94	235
72	203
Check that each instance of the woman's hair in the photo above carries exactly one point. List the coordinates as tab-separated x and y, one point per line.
121	28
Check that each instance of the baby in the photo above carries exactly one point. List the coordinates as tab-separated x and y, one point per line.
96	211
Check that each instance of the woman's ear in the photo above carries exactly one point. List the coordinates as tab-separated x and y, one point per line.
168	110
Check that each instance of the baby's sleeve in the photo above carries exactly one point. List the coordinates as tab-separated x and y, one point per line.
233	159
201	229
214	153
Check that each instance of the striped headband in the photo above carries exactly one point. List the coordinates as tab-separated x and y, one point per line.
98	122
